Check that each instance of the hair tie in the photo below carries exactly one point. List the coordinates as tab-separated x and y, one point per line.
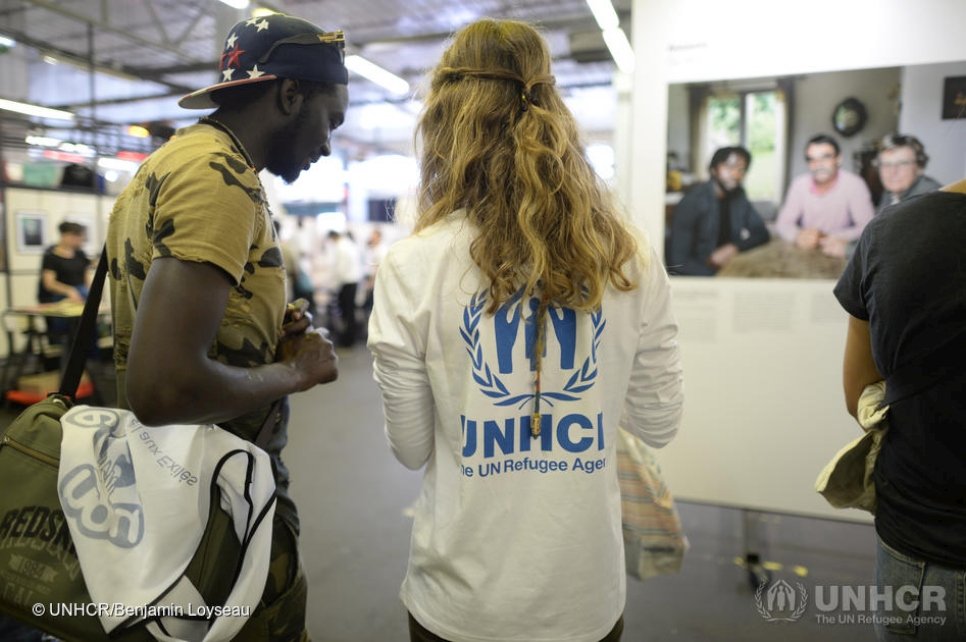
528	87
457	73
539	80
526	96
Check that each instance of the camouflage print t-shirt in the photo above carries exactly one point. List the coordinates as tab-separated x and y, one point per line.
196	199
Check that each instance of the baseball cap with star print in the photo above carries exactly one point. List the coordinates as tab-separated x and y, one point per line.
271	47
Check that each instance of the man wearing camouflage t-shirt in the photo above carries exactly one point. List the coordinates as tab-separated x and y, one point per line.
197	278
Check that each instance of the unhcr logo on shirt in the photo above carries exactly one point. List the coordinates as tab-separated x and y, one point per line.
514	336
507	324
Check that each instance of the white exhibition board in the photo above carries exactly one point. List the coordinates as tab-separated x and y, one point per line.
764	409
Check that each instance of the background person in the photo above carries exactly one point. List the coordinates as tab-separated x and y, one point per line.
375	252
65	274
197	283
65	269
347	272
901	162
714	221
905	292
828	202
532	277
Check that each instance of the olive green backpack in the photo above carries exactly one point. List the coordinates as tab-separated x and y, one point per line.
40	577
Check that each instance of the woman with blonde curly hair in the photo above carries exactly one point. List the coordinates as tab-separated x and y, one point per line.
511	335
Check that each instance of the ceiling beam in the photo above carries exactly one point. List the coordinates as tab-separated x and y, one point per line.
569	23
199	12
131	73
104	26
157	23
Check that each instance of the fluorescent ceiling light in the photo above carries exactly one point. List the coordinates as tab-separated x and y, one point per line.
7	42
604	14
236	4
378	75
35	110
43	141
620	49
76	148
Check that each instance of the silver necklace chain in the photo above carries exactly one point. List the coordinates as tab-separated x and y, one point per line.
217	124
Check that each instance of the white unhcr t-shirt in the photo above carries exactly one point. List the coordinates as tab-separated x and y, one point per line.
516	537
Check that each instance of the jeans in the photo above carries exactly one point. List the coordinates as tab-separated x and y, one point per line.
13	631
939	598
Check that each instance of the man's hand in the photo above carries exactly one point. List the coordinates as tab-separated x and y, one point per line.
808	239
74	296
297	319
723	255
312	355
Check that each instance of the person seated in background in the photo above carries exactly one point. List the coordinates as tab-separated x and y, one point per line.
714	221
901	163
64	275
827	205
64	271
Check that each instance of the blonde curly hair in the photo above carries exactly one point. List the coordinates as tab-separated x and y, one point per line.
498	142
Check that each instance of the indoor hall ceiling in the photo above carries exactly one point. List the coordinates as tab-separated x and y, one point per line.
147	53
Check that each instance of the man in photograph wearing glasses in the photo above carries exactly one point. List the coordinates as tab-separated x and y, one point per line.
902	164
827	205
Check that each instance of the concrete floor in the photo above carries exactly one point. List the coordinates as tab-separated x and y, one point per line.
352	497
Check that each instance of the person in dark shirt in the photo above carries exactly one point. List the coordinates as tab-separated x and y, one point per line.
65	268
714	221
905	292
64	274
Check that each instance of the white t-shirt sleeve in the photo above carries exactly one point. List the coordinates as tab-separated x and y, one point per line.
399	367
655	398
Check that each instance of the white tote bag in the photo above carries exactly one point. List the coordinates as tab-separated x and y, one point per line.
137	501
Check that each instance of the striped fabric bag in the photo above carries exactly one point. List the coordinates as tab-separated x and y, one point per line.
654	543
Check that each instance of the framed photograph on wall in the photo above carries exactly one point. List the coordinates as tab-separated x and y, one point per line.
954	97
31	232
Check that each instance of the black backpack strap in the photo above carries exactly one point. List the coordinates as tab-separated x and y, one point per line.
86	332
